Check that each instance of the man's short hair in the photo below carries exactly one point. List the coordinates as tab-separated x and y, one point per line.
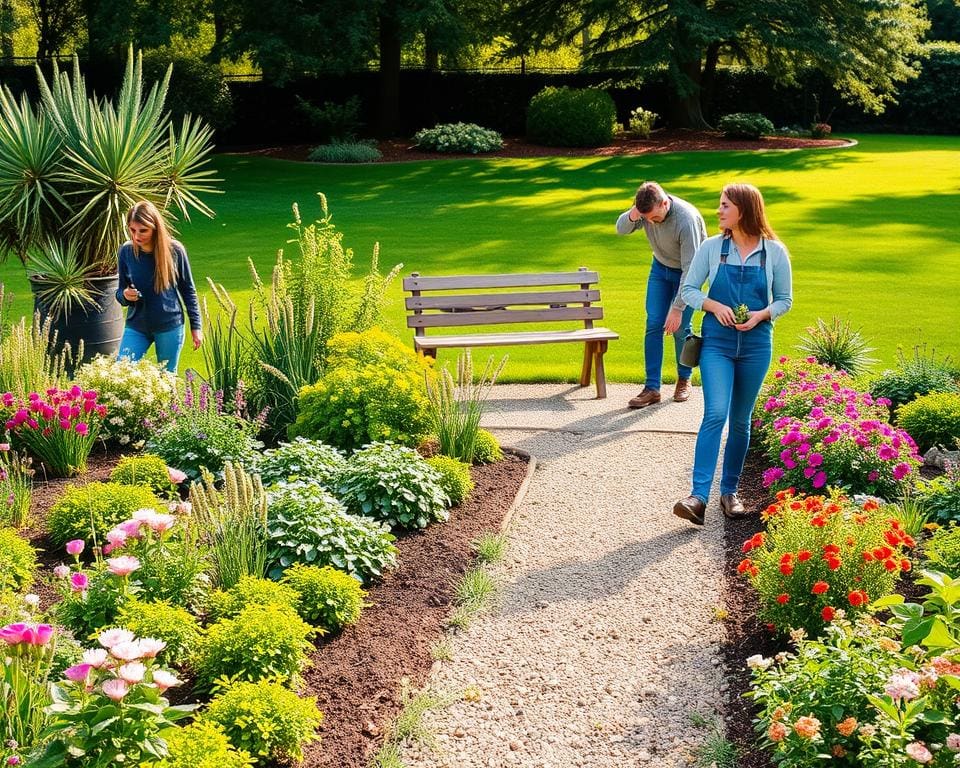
649	196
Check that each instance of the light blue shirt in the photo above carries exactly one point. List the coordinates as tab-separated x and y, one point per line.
706	262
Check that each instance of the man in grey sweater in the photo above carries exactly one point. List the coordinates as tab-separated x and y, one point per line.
675	230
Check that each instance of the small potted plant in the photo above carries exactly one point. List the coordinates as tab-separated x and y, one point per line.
71	166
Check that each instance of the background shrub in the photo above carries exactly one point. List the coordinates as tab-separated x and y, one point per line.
916	376
375	346
307	525
163	621
940	496
266	720
18	561
458	137
250	590
455	478
744	125
327	598
942	550
393	484
641	123
345	152
486	449
332	122
932	419
201	744
571	117
145	469
196	88
262	642
300	459
103	505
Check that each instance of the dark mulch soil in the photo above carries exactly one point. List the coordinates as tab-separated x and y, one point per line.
356	675
674	140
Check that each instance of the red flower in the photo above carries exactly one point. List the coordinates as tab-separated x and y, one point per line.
783	599
833	563
744	566
892	538
870	506
827	613
818	521
803	555
890	565
820	587
857	598
786	569
772	627
786	558
908	541
904	565
831	549
867	557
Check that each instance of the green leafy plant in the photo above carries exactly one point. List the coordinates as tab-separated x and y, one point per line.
571	117
201	744
174	625
300	459
233	523
262	642
60	278
327	598
345	152
110	709
940	496
486	448
744	125
640	124
59	428
919	375
225	356
455	478
941	552
332	121
932	419
741	314
820	555
18	561
16	487
456	407
265	719
308	525
95	508
393	484
91	600
250	590
458	137
145	469
838	344
135	394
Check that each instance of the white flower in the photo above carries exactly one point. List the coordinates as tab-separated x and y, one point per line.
757	661
32	600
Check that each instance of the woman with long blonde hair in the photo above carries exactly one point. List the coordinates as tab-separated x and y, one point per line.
745	267
155	276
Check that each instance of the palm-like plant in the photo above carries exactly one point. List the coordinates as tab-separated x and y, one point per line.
72	165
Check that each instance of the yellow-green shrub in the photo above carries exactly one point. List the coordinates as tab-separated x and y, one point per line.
455	477
327	598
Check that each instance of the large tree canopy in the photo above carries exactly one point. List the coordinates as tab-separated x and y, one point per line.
866	47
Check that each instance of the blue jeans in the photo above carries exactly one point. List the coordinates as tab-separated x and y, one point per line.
662	287
732	376
135	344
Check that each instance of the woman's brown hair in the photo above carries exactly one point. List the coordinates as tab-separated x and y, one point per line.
165	272
753	215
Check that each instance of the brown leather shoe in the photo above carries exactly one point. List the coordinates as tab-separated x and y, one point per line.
690	508
682	392
647	397
732	506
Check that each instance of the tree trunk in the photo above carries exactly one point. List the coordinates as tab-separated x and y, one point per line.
685	106
709	77
389	113
431	53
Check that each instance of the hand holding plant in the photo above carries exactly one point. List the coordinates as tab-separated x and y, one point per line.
741	314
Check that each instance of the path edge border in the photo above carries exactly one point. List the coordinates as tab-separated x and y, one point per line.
524	486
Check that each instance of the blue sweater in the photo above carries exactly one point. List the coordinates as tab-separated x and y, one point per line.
155	312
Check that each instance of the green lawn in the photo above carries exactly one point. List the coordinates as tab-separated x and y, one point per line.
873	231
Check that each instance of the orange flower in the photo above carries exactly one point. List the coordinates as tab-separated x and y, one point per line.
783	599
847	727
820	587
908	541
777	731
807	727
857	598
779	713
745	565
837	750
870	506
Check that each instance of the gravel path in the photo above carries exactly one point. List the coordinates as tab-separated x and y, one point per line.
604	640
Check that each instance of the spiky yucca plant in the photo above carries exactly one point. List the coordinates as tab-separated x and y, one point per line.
838	344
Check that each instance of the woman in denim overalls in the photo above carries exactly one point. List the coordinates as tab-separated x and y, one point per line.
745	265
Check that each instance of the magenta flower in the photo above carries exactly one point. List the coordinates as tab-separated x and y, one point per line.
819	479
815	459
79	582
115	689
13	634
75	547
13	760
873	475
771	476
82	428
901	470
78	672
123	565
39	634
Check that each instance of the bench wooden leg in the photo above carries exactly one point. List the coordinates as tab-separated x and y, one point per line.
599	349
588	352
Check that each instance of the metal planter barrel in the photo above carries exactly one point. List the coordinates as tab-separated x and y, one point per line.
99	327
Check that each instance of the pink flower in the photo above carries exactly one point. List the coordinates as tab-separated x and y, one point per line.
901	470
162	523
82	428
65	425
176	476
819	480
79	582
61	571
127	651
75	547
39	634
953	742
123	565
110	637
918	751
95	657
115	689
13	634
4	447
133	672
13	760
150	647
903	684
117	537
163	680
131	528
78	673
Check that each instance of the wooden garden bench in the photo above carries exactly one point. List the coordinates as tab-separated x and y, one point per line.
546	297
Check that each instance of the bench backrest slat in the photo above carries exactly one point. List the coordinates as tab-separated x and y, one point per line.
458	282
488	300
498	317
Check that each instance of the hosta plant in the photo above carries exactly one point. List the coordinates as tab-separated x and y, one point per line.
300	459
395	485
822	554
135	393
